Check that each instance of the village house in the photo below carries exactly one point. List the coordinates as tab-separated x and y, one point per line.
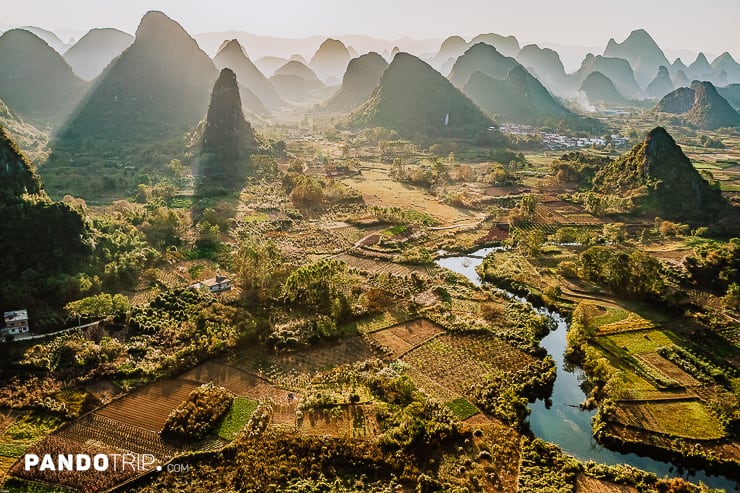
16	322
216	284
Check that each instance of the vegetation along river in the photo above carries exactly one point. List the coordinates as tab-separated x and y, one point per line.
561	421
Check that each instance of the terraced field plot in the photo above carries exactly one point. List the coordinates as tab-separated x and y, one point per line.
377	188
373	266
638	342
586	484
633	322
688	419
458	361
89	481
401	338
94	429
668	369
392	316
351	421
148	407
295	370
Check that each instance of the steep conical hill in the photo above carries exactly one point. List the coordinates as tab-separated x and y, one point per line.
731	93
700	68
547	66
710	110
617	70
157	88
294	67
17	176
269	64
661	85
452	47
330	59
484	58
35	81
599	89
680	79
661	180
228	139
506	45
676	102
226	130
729	65
95	50
49	38
232	55
416	101
521	98
362	76
642	52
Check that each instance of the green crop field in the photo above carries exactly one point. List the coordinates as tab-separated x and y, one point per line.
236	418
462	408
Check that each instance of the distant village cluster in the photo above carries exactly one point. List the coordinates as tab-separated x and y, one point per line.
556	141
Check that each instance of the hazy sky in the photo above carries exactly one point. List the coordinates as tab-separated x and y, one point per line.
708	25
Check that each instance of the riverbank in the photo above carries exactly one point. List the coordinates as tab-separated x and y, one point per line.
561	421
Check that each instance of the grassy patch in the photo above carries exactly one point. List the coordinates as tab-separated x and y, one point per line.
255	218
685	419
462	408
237	417
641	342
32	426
181	202
612	315
12	449
395	230
377	322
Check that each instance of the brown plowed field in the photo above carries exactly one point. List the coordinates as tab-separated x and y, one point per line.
668	369
149	406
400	338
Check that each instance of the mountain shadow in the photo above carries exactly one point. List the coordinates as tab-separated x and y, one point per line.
43	242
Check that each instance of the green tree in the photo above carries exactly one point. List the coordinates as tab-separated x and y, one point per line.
257	261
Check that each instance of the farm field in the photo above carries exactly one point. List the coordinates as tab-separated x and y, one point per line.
378	188
496	450
456	361
647	341
399	339
350	421
687	419
375	266
236	418
294	370
391	316
587	484
668	369
148	407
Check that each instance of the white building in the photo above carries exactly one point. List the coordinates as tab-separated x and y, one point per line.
216	284
16	322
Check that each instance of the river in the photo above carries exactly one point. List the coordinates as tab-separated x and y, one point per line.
563	422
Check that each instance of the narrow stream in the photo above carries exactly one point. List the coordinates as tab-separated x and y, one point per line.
563	422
